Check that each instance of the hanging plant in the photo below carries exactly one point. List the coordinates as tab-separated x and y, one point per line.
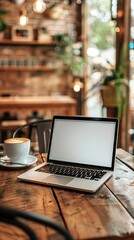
3	24
65	51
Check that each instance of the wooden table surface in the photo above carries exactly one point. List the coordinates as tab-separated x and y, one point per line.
35	103
106	214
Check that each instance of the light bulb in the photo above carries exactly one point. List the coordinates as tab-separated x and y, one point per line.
19	1
77	85
117	29
23	20
78	2
39	6
76	88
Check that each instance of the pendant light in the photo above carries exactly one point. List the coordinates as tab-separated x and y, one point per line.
39	6
19	2
78	1
77	85
23	19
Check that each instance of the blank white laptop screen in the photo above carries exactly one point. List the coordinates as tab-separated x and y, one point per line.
83	142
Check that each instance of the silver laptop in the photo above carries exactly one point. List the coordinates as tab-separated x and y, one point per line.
81	154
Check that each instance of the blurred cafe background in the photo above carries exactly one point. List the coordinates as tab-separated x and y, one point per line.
68	57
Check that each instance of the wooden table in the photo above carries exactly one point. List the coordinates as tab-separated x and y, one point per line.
107	214
35	103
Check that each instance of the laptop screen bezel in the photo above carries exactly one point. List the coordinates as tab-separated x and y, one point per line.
105	119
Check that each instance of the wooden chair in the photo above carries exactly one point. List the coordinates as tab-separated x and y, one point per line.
43	130
20	219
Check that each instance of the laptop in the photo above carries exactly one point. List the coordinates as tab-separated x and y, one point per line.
81	154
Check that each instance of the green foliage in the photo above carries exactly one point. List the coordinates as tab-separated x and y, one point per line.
117	79
3	24
120	86
66	53
102	34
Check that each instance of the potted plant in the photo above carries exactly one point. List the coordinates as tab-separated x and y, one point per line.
3	24
114	88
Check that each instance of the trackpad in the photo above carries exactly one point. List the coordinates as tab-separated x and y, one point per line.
58	179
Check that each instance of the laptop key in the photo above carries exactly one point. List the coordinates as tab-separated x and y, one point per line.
72	171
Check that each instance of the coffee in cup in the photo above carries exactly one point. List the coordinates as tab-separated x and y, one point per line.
16	140
17	149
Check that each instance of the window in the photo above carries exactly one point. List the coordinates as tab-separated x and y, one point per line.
101	50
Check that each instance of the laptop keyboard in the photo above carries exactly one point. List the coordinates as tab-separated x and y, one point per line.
72	171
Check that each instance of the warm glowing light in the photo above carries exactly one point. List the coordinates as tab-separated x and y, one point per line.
117	29
76	88
19	1
120	13
77	85
23	20
78	2
39	6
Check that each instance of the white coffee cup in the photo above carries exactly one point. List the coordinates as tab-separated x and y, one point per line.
17	149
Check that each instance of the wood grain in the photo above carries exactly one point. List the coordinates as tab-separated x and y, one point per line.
121	185
33	103
125	157
27	197
107	214
94	216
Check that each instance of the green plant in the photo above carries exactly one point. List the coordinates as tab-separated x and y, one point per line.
116	78
3	24
69	55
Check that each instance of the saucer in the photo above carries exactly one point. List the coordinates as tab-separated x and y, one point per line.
29	161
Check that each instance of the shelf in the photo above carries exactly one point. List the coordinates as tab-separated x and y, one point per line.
30	68
26	43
